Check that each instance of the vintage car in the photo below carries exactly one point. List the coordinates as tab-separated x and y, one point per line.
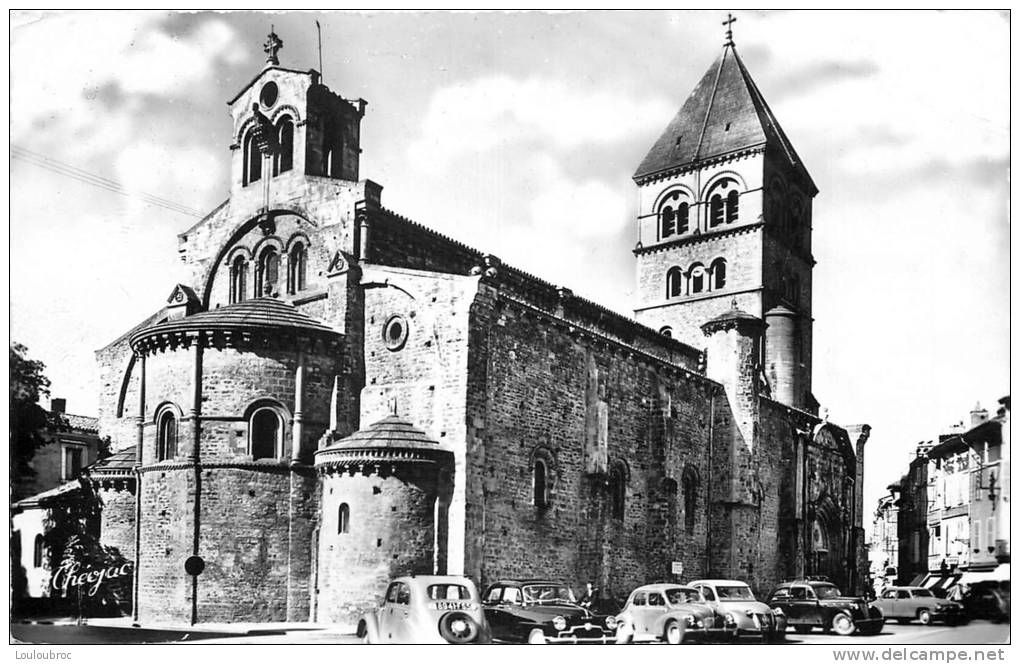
427	609
671	613
735	599
810	603
906	603
542	611
984	600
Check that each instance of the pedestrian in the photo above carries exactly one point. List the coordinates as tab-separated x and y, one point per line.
589	597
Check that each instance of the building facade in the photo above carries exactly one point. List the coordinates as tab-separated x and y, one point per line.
338	394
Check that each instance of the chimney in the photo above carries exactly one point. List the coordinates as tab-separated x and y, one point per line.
58	405
978	415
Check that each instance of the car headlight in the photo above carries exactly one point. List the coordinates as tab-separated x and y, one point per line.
559	623
778	611
748	613
690	621
610	622
730	619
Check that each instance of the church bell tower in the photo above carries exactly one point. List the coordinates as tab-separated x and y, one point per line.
724	221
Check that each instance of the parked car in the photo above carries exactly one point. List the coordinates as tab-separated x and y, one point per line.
427	609
670	612
989	600
906	603
735	599
811	603
542	611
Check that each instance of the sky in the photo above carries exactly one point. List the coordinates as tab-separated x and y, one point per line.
518	133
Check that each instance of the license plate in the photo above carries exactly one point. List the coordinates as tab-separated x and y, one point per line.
451	605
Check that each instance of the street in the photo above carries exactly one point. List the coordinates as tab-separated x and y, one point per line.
979	632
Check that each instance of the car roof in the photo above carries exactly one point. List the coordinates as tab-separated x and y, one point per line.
903	588
662	586
719	582
433	578
524	582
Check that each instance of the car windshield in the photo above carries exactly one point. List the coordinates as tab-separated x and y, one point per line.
682	596
734	593
547	593
826	591
922	592
448	591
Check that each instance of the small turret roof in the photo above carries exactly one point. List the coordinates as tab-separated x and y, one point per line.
389	432
726	113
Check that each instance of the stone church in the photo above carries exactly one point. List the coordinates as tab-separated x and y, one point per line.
338	394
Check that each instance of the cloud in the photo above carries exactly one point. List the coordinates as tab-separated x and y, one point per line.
818	74
491	112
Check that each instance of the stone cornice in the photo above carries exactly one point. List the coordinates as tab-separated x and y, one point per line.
698	238
381	461
221	337
700	164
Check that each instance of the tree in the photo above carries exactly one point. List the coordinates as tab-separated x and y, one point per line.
28	418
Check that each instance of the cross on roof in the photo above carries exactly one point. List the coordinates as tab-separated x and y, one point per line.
272	46
730	20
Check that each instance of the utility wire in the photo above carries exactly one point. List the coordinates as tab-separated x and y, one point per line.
81	175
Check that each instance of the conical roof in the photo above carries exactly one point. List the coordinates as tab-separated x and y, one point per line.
390	441
390	431
725	114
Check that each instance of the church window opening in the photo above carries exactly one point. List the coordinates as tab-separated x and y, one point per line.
716	210
266	434
697	279
666	331
269	94
38	551
719	274
541	485
166	436
343	523
283	160
395	332
683	213
296	268
690	480
252	160
674	282
268	272
618	491
238	279
732	206
668	221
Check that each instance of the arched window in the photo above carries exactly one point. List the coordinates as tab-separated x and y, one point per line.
716	210
618	490
668	217
252	160
541	486
697	277
166	436
732	206
268	272
683	213
284	159
719	274
296	268
690	480
666	331
674	282
38	551
238	279
266	434
343	519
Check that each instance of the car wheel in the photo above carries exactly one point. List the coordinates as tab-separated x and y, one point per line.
924	616
843	624
536	637
624	634
674	633
458	627
802	629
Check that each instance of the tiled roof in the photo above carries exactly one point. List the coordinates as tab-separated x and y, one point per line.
391	431
75	422
259	313
50	496
119	463
725	114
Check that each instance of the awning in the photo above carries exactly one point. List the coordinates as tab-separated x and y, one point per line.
1000	573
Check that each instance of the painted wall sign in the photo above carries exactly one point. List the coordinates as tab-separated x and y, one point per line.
70	575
